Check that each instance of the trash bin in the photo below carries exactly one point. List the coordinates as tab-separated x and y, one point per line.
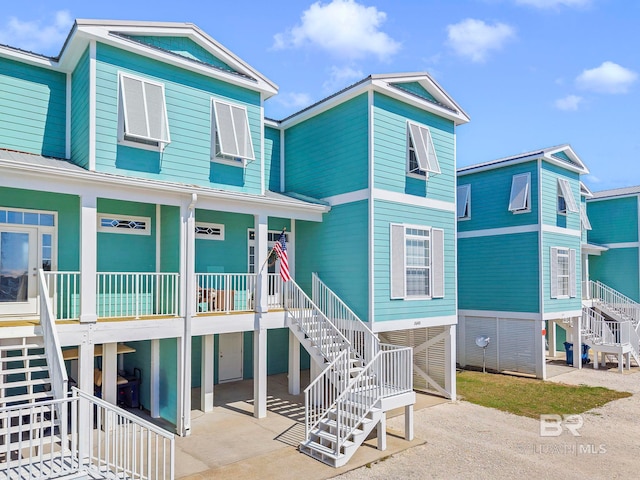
584	357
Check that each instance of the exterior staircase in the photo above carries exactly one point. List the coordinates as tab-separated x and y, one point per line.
360	381
611	324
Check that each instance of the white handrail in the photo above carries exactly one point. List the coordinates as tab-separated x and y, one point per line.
225	292
617	301
52	347
64	290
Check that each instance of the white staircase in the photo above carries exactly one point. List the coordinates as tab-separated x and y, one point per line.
361	378
611	323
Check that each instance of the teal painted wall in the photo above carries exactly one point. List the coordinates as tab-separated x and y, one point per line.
169	379
499	272
390	150
141	359
337	249
490	193
549	178
184	47
68	208
386	213
120	252
272	159
328	154
80	112
617	268
32	109
416	89
560	304
614	220
169	238
188	99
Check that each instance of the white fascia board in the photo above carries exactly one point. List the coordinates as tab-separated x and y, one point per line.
613	197
272	123
389	196
112	186
491	232
584	191
571	154
561	230
561	315
495	165
567	166
28	58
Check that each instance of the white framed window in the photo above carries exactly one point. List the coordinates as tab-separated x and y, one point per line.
563	272
421	154
210	231
230	134
417	262
584	219
520	198
142	113
463	200
566	200
116	223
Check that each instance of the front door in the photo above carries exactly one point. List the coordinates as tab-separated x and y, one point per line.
229	357
18	270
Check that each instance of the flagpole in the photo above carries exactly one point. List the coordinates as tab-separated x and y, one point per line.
271	251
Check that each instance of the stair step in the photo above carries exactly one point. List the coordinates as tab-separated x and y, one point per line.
21	358
26	383
330	437
314	446
25	398
34	368
36	426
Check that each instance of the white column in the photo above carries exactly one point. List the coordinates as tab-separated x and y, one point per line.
182	411
85	383
577	342
261	245
88	257
206	379
294	364
260	373
541	360
450	362
110	372
260	333
154	382
408	422
551	326
382	432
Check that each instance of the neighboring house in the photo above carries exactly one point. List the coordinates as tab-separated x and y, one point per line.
519	251
141	190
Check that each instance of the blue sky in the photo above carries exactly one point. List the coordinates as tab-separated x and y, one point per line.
530	73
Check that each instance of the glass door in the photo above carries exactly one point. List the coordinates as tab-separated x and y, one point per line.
18	270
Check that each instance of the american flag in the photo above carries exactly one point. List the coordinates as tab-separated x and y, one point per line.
281	250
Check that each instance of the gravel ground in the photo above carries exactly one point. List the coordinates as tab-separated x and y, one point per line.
468	441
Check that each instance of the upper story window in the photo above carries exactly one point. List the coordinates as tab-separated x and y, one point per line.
231	137
520	198
566	201
142	113
421	154
417	262
563	272
464	202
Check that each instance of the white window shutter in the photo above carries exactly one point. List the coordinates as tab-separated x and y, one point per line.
155	111
225	130
432	159
462	199
519	192
144	110
424	148
135	117
569	199
232	129
572	273
553	264
586	224
397	273
437	262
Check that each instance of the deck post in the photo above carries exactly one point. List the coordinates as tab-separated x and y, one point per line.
294	364
577	342
261	307
382	432
85	383
154	386
110	372
450	362
206	381
88	258
551	326
408	423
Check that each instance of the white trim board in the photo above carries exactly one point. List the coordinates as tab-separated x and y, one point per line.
386	195
500	314
411	323
489	232
560	315
622	245
350	197
561	230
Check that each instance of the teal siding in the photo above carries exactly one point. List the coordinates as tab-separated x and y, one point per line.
169	239
614	220
328	154
416	89
499	272
272	159
229	255
188	97
68	208
560	304
391	144
80	112
184	47
120	252
386	309
617	268
141	359
490	193
550	216
32	109
337	250
169	379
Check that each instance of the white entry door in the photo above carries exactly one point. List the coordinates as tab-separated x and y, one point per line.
18	270
230	357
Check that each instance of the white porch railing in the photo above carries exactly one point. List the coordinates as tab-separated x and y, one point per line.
52	349
275	291
601	330
225	292
616	301
63	288
43	440
135	294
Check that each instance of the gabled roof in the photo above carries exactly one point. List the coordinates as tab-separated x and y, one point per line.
122	34
437	102
561	155
617	192
584	191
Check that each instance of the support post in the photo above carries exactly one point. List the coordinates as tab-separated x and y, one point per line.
577	342
382	432
260	373
88	258
450	362
154	386
551	326
85	383
206	380
261	307
294	364
110	373
408	422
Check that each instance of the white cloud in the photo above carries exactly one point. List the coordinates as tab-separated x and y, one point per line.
554	3
35	35
340	77
294	100
342	27
607	78
474	39
569	103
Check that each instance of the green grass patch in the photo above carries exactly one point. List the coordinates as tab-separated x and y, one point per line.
531	397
